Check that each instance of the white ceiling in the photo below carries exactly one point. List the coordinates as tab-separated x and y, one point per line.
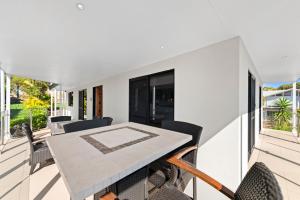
52	40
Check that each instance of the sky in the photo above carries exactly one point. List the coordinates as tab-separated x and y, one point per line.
277	84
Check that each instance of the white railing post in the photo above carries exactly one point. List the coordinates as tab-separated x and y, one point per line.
61	101
55	101
2	104
30	118
7	128
294	109
51	102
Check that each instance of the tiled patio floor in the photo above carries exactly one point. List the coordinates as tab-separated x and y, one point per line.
280	151
14	170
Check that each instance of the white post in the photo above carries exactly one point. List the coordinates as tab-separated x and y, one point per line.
65	103
61	102
51	106
2	104
7	129
294	109
55	102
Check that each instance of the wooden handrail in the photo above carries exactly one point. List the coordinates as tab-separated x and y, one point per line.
176	160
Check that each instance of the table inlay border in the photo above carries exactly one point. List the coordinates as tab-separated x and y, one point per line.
105	150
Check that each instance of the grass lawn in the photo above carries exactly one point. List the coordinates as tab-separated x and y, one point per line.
18	111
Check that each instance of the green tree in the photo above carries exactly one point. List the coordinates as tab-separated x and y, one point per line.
32	88
288	86
283	116
269	88
17	83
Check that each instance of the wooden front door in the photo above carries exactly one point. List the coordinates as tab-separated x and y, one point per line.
98	101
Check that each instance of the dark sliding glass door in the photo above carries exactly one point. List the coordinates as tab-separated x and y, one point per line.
139	100
151	98
82	105
161	98
251	112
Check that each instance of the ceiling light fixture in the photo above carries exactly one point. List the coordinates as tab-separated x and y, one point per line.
162	47
80	6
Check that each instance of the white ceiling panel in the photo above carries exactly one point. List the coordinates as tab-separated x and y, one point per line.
52	40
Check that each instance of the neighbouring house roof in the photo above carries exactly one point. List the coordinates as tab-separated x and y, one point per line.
274	92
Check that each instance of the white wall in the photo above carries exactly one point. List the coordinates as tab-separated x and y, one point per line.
202	78
246	65
89	106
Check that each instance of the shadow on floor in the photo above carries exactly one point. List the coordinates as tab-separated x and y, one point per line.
280	157
12	156
9	149
13	169
46	189
283	147
11	189
277	138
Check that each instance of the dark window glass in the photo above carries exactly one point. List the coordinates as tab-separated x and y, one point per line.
288	94
70	98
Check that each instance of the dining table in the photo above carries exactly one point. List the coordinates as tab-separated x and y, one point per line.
92	160
57	128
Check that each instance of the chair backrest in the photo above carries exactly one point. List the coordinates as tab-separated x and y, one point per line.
108	119
184	177
259	183
27	131
83	125
186	128
60	118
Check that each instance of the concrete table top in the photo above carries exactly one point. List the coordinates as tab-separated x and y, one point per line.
94	159
57	127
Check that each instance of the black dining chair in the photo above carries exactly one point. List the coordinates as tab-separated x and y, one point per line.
259	183
162	172
84	125
39	152
108	119
60	118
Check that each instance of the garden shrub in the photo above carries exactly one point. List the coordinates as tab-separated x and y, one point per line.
35	103
282	118
39	118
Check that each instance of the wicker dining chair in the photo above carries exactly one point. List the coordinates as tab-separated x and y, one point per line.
162	172
132	187
84	125
258	184
108	119
39	152
60	118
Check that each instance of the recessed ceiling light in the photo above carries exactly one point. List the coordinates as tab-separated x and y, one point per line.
80	6
162	47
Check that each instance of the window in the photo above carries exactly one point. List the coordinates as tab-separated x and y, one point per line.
70	99
288	94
